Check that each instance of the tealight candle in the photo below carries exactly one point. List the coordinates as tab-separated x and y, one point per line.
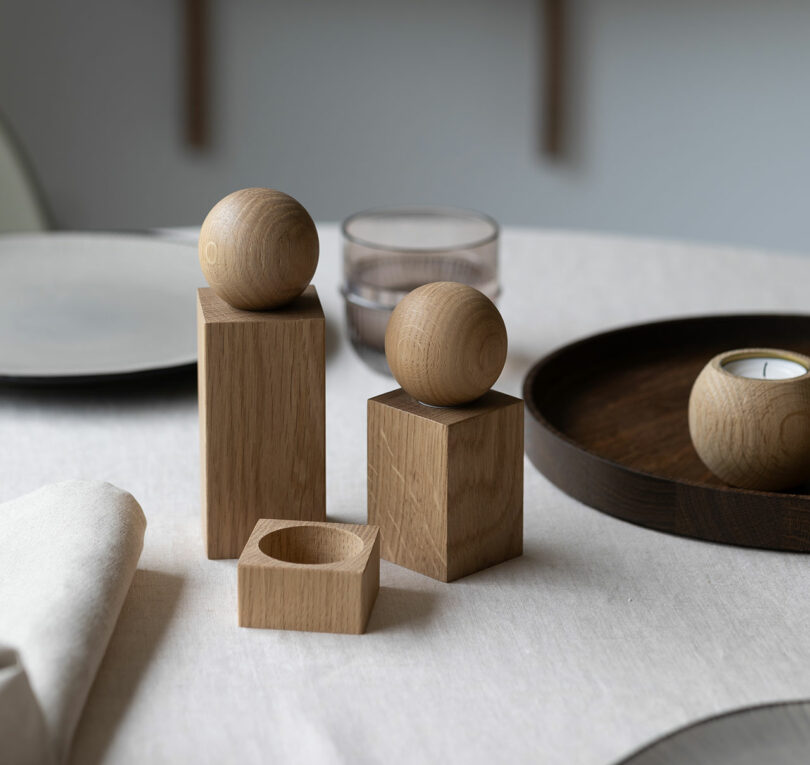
765	368
749	418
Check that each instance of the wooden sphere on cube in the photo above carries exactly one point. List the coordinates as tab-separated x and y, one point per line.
446	343
752	433
258	249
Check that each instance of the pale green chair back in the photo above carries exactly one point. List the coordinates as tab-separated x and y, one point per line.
20	206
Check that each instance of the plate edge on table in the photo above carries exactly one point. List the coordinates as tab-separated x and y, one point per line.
140	370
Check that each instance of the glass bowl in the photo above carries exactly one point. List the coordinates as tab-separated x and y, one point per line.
390	251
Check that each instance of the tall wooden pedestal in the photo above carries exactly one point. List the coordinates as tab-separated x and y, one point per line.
262	417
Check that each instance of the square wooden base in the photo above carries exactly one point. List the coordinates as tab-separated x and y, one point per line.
262	417
445	484
321	577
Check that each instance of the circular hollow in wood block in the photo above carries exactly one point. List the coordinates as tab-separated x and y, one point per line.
446	343
753	432
311	544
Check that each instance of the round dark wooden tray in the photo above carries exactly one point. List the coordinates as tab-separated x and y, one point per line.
606	421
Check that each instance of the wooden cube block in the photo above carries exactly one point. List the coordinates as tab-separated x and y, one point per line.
321	577
262	417
445	484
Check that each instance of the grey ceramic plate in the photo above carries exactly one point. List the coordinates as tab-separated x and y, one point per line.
77	306
776	734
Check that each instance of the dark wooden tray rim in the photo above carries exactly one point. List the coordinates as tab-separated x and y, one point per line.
702	509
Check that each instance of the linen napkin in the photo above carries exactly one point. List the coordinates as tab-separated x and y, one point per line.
68	553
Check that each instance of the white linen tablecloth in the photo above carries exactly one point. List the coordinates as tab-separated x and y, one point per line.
601	637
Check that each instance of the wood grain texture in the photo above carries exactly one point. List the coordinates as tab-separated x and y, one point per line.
320	577
607	422
262	417
258	249
446	343
752	433
445	485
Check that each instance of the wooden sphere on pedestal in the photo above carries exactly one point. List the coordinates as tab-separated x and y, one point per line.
445	453
261	369
258	249
446	343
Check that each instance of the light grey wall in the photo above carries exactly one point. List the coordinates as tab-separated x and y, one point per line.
689	119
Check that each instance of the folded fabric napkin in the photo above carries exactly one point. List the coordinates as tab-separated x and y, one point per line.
67	556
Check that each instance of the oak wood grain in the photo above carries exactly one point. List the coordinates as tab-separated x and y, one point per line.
320	577
445	484
262	417
752	433
258	248
445	343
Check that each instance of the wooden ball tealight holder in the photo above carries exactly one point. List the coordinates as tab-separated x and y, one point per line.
445	453
261	368
749	418
319	577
